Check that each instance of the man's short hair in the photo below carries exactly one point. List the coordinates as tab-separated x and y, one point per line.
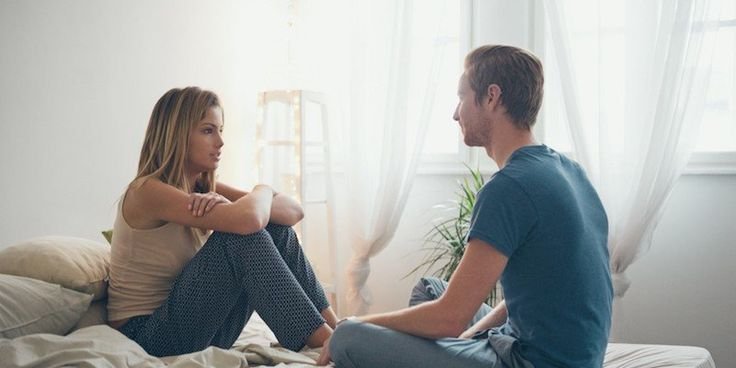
517	72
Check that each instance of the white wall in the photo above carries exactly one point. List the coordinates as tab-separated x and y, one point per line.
683	289
79	79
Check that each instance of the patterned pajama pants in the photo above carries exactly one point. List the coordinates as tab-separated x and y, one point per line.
217	291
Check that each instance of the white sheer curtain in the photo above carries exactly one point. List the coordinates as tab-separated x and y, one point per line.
379	63
633	79
392	73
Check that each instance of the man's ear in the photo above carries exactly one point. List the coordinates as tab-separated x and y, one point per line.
493	94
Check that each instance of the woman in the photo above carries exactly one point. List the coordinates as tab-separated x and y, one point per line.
174	289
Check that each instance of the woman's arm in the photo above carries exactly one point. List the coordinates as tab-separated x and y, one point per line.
154	202
284	209
231	193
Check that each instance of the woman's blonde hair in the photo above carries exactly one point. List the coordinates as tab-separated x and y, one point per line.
166	144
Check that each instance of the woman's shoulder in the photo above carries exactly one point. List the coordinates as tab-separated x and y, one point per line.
150	186
142	196
145	181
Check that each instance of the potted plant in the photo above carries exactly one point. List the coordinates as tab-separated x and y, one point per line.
444	243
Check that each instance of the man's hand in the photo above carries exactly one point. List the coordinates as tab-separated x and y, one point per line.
201	203
324	356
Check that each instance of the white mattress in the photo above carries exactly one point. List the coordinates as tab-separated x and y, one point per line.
656	356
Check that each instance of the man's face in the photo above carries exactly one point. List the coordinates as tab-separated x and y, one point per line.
470	115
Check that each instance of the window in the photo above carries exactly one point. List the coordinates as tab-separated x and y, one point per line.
717	137
443	143
718	129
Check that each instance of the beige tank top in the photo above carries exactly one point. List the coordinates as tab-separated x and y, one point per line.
144	264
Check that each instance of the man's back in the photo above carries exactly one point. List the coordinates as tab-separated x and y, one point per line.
541	212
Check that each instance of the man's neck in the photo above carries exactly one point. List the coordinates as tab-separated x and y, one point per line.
505	140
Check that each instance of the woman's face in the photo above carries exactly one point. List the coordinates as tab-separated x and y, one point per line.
205	143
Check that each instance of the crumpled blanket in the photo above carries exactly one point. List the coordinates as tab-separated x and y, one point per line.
102	346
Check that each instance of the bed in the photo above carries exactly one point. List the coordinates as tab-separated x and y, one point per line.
657	356
100	345
52	312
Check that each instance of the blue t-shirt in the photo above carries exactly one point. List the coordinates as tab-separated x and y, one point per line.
542	212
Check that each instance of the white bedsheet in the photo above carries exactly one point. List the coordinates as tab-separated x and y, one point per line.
657	356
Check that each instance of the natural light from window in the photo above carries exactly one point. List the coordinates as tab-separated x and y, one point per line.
718	127
442	139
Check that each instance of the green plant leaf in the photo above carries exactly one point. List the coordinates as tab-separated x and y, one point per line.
444	243
108	235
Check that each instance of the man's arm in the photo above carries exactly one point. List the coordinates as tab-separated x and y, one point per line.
476	275
495	318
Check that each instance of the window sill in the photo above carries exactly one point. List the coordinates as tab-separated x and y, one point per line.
454	165
711	163
701	163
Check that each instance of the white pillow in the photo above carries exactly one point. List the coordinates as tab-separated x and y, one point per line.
74	263
33	306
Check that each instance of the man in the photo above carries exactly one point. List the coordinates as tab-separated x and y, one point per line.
538	225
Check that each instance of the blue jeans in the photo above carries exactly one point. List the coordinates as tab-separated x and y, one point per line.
358	344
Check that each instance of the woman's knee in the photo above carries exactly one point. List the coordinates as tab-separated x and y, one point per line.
273	227
230	238
281	233
239	244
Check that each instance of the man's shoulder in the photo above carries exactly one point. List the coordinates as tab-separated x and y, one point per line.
523	174
501	182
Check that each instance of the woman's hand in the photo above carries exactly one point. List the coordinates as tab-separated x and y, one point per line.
201	203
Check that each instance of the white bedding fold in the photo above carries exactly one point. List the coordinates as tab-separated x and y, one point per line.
102	346
95	346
